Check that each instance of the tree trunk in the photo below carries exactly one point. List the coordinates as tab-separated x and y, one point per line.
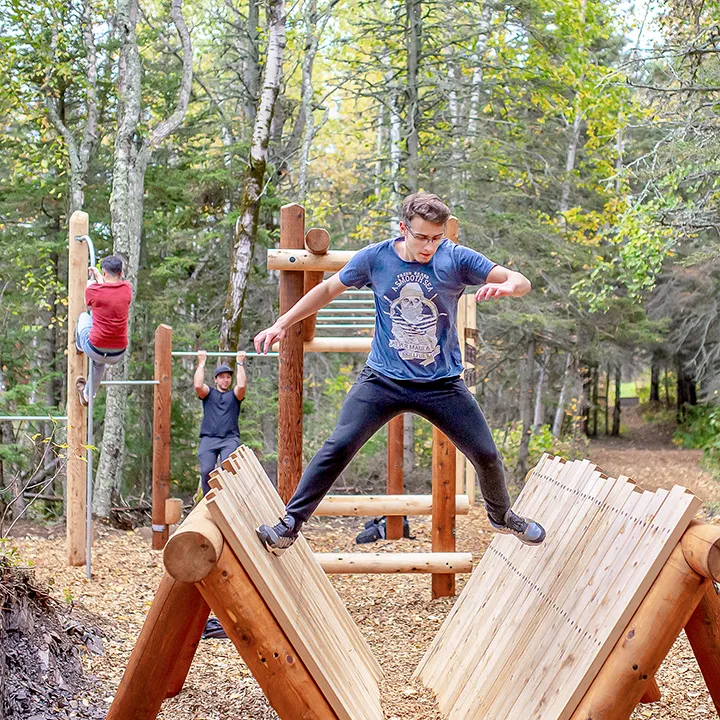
586	401
607	401
655	380
526	395
617	410
254	179
539	408
126	208
560	410
595	398
413	11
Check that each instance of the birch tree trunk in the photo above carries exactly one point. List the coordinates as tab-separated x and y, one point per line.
131	160
254	178
413	11
560	410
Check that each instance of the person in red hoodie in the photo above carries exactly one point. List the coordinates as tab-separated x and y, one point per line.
102	333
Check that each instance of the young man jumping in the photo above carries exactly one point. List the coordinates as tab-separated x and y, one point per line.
414	363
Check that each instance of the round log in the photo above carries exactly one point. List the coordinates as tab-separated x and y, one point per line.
647	639
173	511
335	344
361	563
391	505
301	259
703	632
701	546
317	241
193	551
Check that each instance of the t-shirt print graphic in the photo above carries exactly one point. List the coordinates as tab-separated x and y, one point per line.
414	325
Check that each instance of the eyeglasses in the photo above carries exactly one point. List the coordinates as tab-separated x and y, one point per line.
435	240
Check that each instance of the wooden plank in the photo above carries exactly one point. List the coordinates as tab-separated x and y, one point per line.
453	640
290	373
298	593
161	434
75	498
395	474
443	516
265	648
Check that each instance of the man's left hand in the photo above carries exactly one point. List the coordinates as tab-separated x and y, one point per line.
492	291
240	357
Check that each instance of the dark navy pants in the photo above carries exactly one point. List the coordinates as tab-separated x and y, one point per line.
210	451
375	399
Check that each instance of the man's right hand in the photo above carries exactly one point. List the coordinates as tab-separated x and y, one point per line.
267	338
202	358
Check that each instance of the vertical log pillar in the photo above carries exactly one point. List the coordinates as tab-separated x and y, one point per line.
395	478
161	434
317	241
163	652
75	490
703	632
290	376
443	508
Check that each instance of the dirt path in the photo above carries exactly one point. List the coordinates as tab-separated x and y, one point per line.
395	613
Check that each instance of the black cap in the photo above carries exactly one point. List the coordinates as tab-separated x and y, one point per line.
221	369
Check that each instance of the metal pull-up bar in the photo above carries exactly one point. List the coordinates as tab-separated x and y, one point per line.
219	353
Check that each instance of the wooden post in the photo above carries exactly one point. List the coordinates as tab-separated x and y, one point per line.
264	647
633	662
163	652
161	434
290	376
317	241
395	476
703	632
443	517
75	497
652	693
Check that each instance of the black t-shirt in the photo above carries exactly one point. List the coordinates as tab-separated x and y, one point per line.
220	414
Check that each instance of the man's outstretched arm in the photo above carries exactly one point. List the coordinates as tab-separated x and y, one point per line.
201	388
503	282
240	377
308	305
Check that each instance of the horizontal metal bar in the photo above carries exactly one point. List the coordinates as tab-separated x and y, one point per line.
130	382
345	318
20	418
193	353
342	325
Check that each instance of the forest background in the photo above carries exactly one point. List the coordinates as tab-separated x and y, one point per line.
575	140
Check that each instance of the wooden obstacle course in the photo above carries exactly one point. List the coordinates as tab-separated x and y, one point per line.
533	632
282	614
395	505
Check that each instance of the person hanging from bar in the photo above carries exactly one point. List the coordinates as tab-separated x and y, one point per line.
414	363
102	333
219	431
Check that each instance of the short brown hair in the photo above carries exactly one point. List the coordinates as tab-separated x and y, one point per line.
427	206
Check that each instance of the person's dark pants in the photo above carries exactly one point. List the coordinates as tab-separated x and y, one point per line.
374	400
211	449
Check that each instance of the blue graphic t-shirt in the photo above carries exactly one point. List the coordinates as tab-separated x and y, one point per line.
416	306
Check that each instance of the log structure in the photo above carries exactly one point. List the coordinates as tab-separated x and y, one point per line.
391	505
161	434
577	627
395	475
75	495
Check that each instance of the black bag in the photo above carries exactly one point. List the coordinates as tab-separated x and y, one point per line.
375	530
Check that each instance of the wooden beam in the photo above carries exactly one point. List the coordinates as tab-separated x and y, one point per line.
292	260
169	636
317	242
75	497
361	563
161	434
703	632
652	693
270	656
335	344
395	476
290	375
443	516
701	546
193	551
393	505
647	639
173	511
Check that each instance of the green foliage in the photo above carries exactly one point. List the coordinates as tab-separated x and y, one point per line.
701	430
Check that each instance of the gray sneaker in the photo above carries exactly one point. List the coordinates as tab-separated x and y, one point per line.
278	538
526	531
